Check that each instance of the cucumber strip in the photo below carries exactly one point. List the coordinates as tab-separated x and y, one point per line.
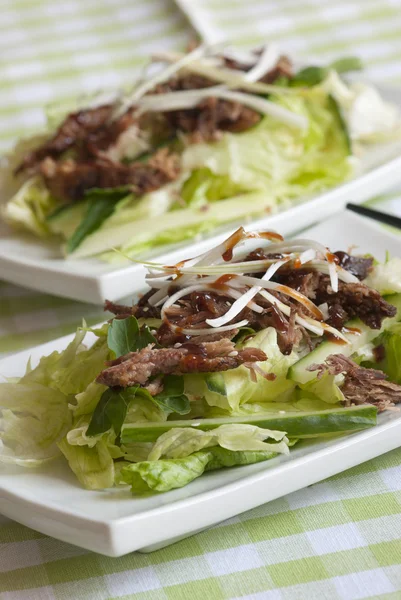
299	371
295	424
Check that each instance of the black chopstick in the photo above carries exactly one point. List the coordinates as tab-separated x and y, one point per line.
377	215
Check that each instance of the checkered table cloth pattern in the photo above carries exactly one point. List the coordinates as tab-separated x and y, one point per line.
339	539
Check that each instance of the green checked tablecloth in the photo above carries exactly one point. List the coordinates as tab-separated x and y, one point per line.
339	539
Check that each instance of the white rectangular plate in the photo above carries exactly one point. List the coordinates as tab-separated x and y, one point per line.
113	522
27	261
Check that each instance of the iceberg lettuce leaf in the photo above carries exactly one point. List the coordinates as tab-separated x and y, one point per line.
93	466
386	277
323	388
72	370
167	474
180	442
277	158
387	356
33	419
230	389
29	207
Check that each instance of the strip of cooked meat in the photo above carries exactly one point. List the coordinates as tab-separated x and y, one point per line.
211	117
351	300
141	309
357	300
75	128
361	385
357	265
304	281
137	367
69	180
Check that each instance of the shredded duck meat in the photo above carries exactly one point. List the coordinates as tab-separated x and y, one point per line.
75	129
138	367
361	385
193	310
70	179
351	300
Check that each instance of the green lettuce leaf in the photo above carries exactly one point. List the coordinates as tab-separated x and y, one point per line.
93	466
144	409
386	355
33	419
172	398
111	410
72	370
313	75
281	160
386	277
204	186
29	207
324	388
168	474
232	388
125	335
85	402
180	442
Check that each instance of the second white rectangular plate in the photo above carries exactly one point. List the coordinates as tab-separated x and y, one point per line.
27	261
113	522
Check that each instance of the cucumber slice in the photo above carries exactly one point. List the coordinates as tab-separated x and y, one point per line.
299	371
295	424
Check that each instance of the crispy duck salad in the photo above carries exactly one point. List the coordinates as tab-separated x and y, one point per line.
204	139
230	358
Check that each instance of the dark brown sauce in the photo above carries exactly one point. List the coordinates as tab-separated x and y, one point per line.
194	349
221	282
192	362
379	353
270	235
333	338
231	242
353	330
332	258
175	268
302	299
